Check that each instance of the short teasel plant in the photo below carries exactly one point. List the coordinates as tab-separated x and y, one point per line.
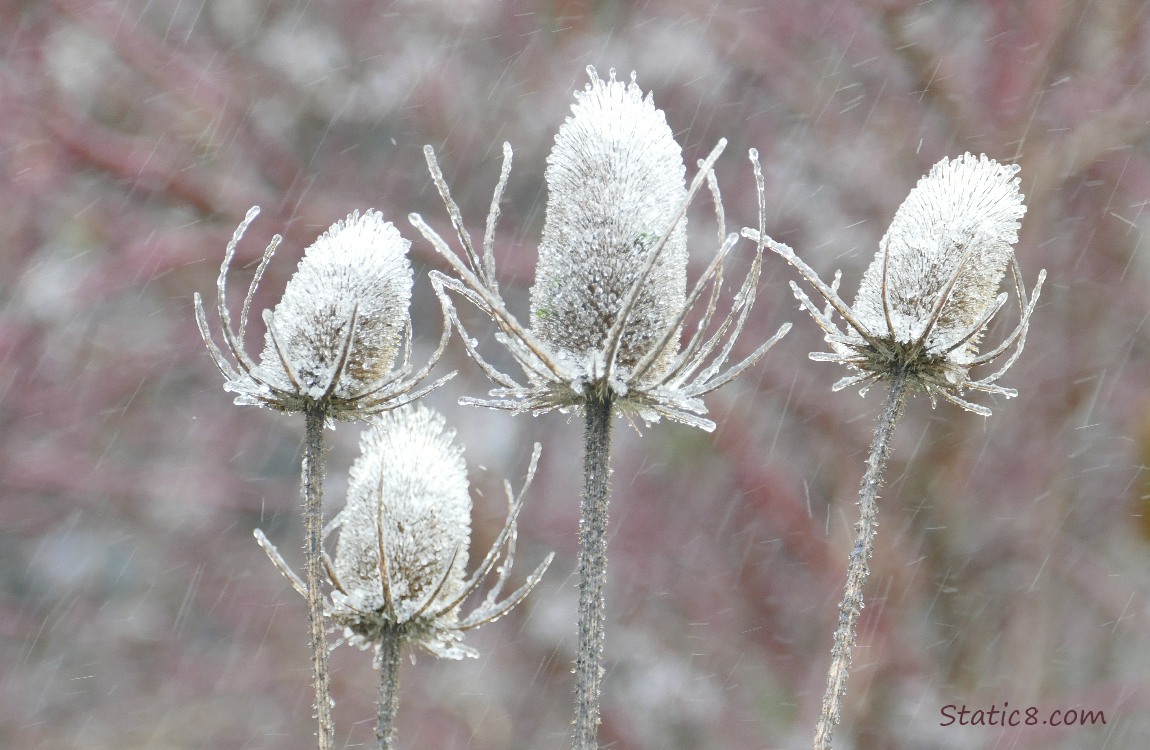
919	317
399	571
330	351
607	308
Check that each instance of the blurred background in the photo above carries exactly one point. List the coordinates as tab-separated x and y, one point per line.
1013	555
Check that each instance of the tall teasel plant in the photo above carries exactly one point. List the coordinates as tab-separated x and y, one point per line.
920	314
607	309
330	350
399	571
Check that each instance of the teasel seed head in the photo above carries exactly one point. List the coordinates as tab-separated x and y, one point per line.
616	182
931	291
332	341
399	569
610	296
356	269
947	247
407	498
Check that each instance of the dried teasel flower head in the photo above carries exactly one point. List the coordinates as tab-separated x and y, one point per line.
610	294
407	497
399	564
931	291
357	267
332	341
615	182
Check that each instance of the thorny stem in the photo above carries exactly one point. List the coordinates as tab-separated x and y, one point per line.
592	570
313	566
859	567
388	690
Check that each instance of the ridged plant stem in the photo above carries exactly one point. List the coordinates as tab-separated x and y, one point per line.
859	567
388	690
592	571
313	460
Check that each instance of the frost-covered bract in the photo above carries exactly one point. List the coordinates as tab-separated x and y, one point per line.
610	294
931	291
399	569
333	339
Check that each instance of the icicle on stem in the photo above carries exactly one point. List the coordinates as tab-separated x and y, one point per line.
313	567
592	570
388	690
859	567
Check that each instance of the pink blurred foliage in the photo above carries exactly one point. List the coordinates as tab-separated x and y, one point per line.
136	610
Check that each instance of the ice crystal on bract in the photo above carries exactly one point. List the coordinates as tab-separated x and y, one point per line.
931	291
399	568
333	339
610	294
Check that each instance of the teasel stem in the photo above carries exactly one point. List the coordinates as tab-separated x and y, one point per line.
859	567
388	690
313	561
592	569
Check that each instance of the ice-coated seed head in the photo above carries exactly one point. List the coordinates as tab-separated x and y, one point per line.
931	292
331	344
947	249
360	264
408	491
610	296
615	181
398	573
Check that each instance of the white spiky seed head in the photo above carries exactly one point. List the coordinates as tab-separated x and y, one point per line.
359	263
964	211
615	181
408	489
